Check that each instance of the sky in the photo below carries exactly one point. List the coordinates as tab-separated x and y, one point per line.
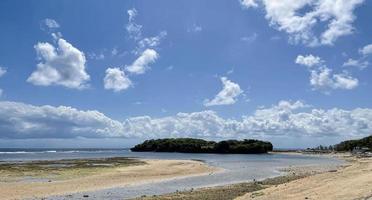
114	73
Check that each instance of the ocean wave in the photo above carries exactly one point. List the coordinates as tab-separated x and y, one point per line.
13	152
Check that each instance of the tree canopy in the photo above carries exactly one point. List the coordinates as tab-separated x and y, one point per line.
191	145
349	145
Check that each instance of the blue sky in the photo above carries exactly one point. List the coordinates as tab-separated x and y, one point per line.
123	71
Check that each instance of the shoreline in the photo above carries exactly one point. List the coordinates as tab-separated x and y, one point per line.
228	191
97	179
237	190
350	181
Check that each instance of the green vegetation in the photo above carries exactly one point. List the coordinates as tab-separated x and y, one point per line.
349	145
190	145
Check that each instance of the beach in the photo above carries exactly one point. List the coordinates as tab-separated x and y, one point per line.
353	181
17	186
154	176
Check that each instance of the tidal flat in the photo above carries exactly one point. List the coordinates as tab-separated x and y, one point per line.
42	179
51	170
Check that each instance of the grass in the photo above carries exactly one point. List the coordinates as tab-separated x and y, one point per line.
62	169
227	192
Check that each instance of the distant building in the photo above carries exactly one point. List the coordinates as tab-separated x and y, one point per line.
361	150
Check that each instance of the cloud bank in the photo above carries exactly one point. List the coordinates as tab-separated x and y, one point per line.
295	119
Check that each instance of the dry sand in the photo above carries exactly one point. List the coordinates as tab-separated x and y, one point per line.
351	182
154	170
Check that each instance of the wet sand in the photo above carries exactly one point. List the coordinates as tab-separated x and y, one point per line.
150	171
350	182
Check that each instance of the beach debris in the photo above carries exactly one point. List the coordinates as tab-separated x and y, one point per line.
333	170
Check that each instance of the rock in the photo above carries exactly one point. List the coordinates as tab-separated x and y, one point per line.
85	196
333	170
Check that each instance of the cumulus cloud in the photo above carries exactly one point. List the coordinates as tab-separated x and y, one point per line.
361	62
366	50
116	80
134	30
295	119
18	120
227	96
248	3
141	64
62	65
308	60
322	78
300	18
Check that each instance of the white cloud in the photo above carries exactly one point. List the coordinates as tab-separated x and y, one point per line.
292	119
134	30
62	65
227	96
2	71
116	80
18	120
151	42
356	63
308	60
300	18
362	61
56	36
141	64
248	3
322	78
366	50
51	23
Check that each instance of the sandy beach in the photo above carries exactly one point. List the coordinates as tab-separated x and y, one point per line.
353	181
152	170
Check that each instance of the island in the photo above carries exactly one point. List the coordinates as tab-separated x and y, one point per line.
191	145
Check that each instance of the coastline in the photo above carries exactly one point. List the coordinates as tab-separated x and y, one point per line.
348	181
153	171
149	171
351	181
